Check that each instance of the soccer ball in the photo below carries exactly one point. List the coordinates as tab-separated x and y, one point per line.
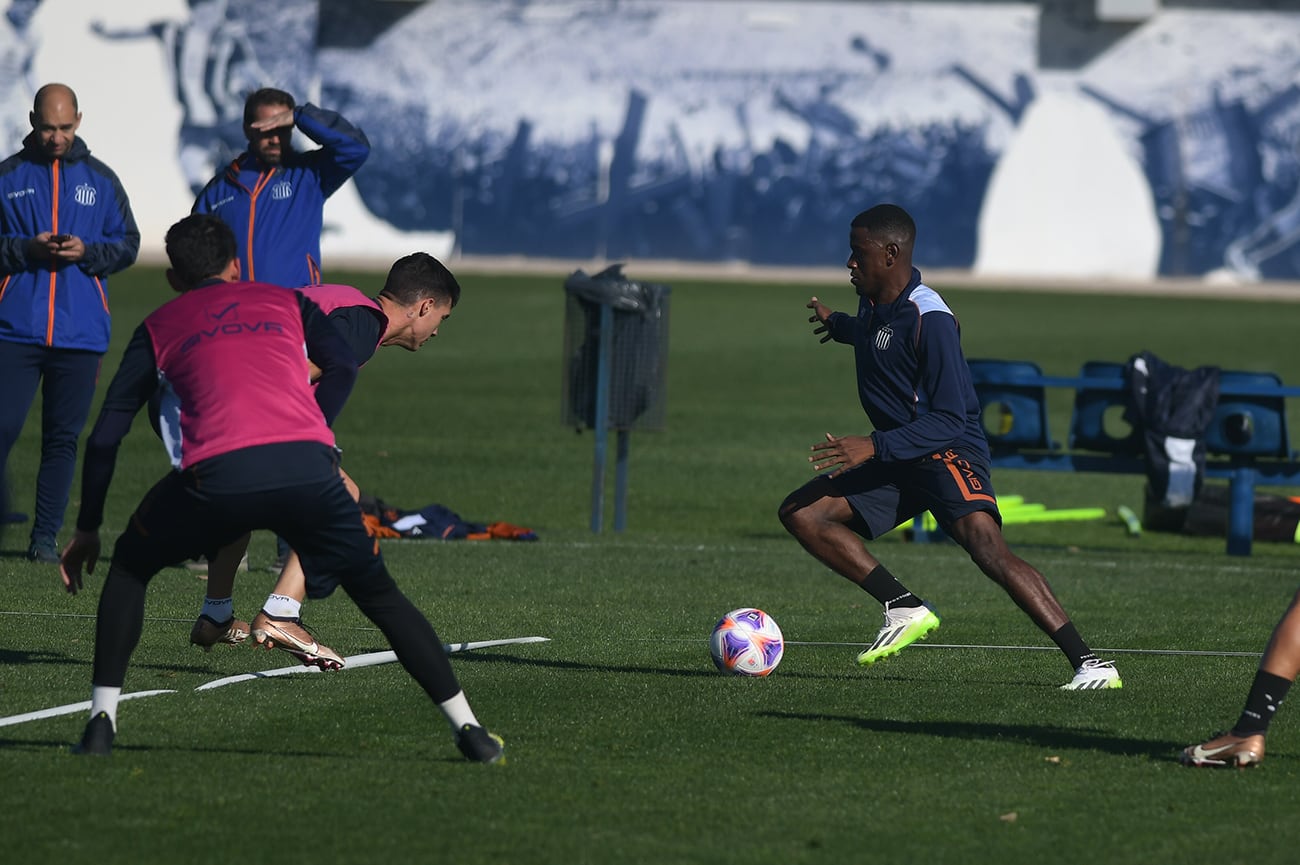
747	642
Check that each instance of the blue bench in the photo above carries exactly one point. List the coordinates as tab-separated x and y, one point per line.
1247	442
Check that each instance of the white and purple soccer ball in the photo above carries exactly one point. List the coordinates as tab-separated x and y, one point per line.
747	642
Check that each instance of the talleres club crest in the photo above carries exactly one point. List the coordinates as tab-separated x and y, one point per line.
882	338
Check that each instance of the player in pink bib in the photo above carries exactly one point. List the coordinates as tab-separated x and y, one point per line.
417	297
255	452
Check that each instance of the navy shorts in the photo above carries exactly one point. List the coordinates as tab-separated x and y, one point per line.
949	484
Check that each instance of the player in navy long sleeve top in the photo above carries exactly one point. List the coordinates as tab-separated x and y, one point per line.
927	451
916	390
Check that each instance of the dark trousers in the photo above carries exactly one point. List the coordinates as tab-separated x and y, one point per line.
67	380
177	520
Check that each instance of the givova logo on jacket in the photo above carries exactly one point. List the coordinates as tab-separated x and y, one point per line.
282	190
84	195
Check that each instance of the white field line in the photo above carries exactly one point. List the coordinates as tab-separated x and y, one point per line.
1047	562
1186	652
367	660
69	709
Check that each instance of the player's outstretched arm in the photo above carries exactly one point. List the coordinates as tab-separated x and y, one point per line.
831	325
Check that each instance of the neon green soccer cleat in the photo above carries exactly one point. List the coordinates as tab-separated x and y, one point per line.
903	627
1094	675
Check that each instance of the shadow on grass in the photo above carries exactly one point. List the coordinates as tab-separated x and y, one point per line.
42	745
1026	734
19	657
703	672
38	656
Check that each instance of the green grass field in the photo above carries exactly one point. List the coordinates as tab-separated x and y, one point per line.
624	744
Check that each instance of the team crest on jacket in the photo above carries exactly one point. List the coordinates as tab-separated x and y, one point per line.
282	190
883	336
84	194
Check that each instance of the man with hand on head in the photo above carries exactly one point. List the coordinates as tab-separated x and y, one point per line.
273	196
255	452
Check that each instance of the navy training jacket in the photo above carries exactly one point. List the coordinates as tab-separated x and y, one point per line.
66	307
277	213
913	381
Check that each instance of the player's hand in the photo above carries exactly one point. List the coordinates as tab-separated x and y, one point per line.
67	247
275	121
83	549
43	246
821	313
841	453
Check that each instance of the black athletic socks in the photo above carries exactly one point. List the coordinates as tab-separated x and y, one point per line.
1266	694
1068	640
885	587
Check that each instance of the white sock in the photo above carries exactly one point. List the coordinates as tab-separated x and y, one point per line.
282	607
458	712
218	609
104	699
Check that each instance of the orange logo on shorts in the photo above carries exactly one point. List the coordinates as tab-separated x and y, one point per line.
965	475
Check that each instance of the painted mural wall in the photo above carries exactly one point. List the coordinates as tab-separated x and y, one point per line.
711	130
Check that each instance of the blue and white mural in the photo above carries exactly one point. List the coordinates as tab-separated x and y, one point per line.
1215	114
705	130
715	130
216	53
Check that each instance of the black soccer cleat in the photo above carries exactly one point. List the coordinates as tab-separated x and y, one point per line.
479	745
98	737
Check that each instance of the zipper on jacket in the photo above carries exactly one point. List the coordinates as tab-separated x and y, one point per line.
54	274
262	180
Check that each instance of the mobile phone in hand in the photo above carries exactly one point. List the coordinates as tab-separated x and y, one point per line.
60	238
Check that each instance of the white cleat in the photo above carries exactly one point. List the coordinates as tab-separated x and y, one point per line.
1094	675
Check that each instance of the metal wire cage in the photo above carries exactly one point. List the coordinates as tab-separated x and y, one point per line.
615	337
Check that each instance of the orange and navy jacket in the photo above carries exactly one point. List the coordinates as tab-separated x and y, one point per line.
277	212
66	307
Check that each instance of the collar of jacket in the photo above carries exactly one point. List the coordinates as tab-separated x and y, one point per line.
33	152
246	161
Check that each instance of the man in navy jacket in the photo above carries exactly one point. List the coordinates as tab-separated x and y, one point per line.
65	225
273	196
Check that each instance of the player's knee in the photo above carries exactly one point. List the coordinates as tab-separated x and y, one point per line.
986	549
794	516
369	583
126	572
